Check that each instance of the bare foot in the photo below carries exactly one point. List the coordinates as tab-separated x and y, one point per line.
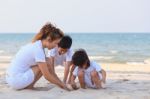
103	85
29	87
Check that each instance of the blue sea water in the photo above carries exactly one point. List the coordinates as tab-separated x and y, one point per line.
104	47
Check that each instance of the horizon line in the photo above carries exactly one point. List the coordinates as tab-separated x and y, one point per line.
70	32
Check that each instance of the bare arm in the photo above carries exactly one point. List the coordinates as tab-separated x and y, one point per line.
51	59
66	71
71	71
49	76
73	84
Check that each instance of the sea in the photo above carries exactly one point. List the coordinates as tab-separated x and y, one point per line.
128	48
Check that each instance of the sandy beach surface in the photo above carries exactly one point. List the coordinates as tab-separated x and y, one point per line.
124	81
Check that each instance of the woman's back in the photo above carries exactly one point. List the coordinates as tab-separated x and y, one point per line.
27	57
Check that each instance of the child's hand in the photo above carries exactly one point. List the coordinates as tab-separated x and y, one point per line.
65	87
74	86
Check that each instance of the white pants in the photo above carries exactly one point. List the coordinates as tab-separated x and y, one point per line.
20	80
88	80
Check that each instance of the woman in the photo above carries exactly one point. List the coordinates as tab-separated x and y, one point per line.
30	62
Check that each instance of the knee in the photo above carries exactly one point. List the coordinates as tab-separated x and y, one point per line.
81	73
103	72
94	73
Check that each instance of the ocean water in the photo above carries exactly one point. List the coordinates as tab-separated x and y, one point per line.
103	47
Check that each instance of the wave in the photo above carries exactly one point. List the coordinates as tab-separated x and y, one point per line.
135	63
100	57
113	51
147	61
5	59
1	51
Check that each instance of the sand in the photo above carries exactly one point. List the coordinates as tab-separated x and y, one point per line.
124	81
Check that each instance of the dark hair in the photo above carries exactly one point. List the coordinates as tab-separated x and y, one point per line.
80	57
48	30
65	42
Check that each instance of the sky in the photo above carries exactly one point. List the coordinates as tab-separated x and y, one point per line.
72	16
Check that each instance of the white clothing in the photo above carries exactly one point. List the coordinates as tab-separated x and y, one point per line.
60	59
87	73
19	74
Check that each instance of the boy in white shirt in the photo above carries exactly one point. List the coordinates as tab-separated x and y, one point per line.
62	55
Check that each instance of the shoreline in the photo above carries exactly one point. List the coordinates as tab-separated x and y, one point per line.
99	59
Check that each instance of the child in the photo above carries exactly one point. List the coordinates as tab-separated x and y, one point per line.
89	73
62	55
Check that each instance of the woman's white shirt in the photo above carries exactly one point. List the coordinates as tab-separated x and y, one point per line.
27	57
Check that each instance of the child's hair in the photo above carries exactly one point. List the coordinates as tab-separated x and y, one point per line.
48	30
65	42
80	57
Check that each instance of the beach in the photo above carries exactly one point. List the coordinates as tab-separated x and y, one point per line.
94	35
125	57
124	81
